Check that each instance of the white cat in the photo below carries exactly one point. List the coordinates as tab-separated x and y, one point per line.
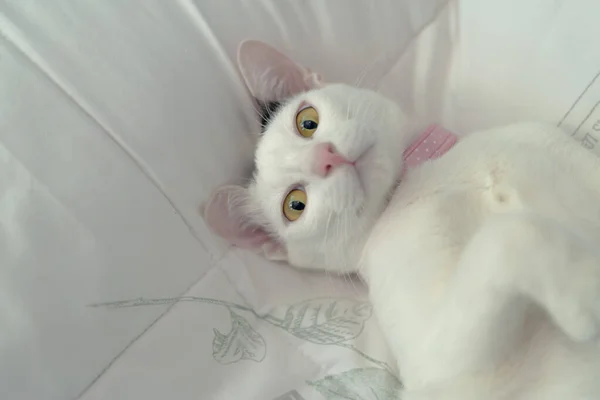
483	265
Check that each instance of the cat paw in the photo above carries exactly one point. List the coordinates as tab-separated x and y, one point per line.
575	307
580	326
560	269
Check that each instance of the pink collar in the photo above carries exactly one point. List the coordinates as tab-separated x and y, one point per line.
434	142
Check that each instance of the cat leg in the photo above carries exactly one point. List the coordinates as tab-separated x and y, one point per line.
557	265
515	264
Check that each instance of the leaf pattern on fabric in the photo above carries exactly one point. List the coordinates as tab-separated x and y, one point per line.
327	321
359	384
241	343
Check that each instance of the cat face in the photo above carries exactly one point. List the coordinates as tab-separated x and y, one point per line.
325	165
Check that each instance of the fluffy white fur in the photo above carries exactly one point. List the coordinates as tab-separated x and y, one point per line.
483	266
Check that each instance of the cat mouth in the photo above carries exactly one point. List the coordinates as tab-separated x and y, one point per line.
359	167
363	155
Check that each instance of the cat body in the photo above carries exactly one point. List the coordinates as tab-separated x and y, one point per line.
483	265
486	224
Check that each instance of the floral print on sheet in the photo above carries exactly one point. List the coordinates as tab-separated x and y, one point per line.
319	321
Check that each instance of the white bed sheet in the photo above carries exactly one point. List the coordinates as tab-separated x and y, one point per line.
117	119
248	330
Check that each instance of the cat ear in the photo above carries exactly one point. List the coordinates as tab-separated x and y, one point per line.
224	214
272	76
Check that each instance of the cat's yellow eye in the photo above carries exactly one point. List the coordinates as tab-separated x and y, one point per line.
307	121
294	204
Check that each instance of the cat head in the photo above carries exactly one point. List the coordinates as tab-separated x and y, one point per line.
325	165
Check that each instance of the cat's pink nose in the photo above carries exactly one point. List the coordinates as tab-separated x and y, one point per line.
327	159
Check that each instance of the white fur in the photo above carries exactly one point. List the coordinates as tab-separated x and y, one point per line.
485	269
331	232
483	266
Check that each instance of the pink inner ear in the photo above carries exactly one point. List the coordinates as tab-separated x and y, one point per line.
226	222
270	75
250	238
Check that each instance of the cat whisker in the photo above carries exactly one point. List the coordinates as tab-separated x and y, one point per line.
325	244
344	233
356	290
348	111
327	224
363	74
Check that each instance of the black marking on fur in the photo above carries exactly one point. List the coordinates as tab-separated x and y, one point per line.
266	112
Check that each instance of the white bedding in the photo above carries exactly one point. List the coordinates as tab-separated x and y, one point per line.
117	120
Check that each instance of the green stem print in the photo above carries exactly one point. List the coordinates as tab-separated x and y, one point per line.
322	321
139	302
359	384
